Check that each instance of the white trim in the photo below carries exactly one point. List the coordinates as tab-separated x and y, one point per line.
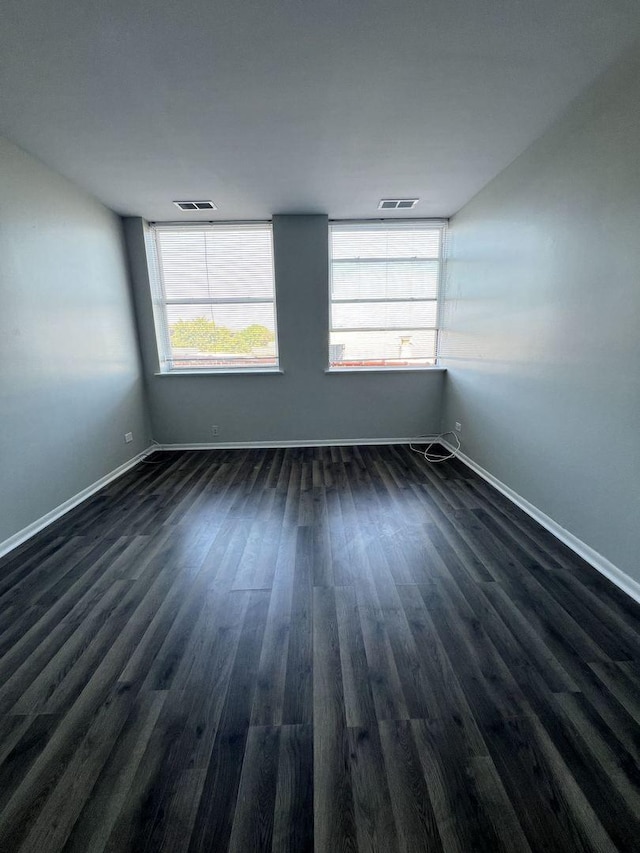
223	371
310	442
38	525
621	579
373	221
384	328
174	224
421	368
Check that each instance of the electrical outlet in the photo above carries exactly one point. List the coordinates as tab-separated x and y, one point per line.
458	426
215	429
128	437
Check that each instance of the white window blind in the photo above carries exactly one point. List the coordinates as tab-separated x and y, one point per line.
385	279
214	296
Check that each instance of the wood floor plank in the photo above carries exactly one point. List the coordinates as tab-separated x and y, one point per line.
132	824
555	675
30	796
12	729
29	556
375	822
293	823
61	618
32	580
388	695
553	811
446	699
35	735
498	808
60	678
181	812
254	815
298	691
490	688
32	684
268	703
590	733
623	681
62	808
214	820
462	817
16	621
161	671
414	817
335	828
193	718
358	698
101	811
218	692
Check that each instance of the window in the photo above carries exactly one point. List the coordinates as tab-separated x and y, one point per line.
213	296
384	293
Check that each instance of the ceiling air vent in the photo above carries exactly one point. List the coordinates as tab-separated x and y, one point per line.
397	203
195	205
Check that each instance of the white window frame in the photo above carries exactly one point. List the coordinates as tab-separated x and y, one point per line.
441	225
160	300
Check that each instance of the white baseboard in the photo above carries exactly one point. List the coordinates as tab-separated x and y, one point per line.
621	579
38	525
310	442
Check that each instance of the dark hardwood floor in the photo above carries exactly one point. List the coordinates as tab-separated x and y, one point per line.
330	649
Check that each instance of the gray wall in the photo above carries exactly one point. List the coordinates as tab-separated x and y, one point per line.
70	382
302	404
542	320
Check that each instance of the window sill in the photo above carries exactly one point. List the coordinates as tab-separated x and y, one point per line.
431	369
255	371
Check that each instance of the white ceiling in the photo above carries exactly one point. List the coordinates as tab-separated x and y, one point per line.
295	106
